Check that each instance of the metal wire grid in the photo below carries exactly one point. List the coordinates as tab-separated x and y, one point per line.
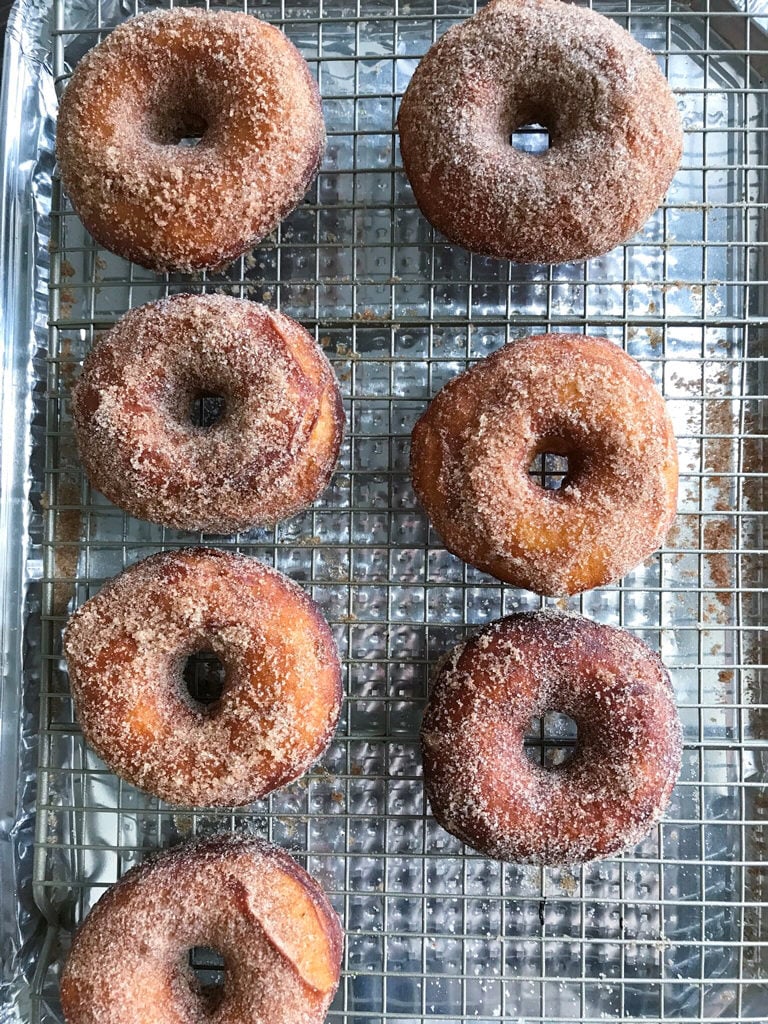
672	929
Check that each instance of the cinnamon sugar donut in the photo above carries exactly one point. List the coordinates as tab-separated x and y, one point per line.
126	650
268	456
615	132
481	786
273	924
235	82
583	398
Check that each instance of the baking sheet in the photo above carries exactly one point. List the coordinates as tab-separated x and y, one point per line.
674	929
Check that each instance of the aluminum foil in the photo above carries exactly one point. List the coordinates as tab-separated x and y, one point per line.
27	122
672	930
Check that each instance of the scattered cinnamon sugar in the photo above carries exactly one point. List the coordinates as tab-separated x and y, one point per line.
66	538
720	461
655	337
67	300
67	523
720	535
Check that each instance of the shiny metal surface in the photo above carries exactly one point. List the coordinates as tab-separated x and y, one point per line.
675	929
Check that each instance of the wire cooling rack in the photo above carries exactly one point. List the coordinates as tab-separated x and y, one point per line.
675	929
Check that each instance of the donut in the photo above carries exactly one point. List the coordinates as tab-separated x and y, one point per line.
582	398
126	649
268	456
274	926
481	786
234	82
614	129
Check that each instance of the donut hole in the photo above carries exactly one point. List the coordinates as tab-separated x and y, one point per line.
190	141
550	470
551	739
206	409
176	127
190	132
533	139
204	677
209	970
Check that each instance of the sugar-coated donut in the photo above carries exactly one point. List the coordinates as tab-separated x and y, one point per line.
270	454
481	786
615	132
566	394
234	81
126	650
274	926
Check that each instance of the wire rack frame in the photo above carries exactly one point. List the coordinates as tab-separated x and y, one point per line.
673	929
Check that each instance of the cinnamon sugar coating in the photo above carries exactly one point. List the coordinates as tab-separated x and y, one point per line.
280	938
270	454
159	77
566	394
615	132
126	649
484	790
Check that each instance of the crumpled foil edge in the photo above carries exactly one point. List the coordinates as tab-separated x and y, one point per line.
27	127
